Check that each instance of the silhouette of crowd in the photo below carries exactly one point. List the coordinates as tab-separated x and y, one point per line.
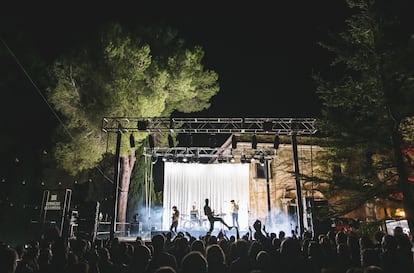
256	251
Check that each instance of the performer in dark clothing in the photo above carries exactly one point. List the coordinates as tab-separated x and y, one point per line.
175	217
211	218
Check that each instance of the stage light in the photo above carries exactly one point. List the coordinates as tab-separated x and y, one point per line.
190	140
267	126
212	140
185	156
154	159
234	142
276	142
220	159
132	141
294	126
243	159
151	141
196	159
254	142
170	141
262	161
185	140
142	125
232	159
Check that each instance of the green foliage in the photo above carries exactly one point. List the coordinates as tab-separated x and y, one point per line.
354	105
138	176
117	74
363	100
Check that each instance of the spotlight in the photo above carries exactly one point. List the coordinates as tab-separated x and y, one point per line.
170	141
151	141
254	142
294	126
196	159
185	140
154	159
267	126
142	125
221	159
276	142
212	140
233	142
189	140
132	141
243	159
262	161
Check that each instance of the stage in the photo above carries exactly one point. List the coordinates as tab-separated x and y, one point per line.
194	229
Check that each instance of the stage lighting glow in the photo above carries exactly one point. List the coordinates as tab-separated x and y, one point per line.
218	182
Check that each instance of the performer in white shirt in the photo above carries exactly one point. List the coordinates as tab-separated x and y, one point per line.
235	213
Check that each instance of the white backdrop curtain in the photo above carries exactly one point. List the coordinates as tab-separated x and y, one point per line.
186	184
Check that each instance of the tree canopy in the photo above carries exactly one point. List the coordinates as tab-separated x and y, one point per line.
123	73
363	107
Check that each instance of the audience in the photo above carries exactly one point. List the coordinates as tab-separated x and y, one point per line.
255	252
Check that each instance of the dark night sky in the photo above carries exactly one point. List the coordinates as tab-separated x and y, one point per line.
264	54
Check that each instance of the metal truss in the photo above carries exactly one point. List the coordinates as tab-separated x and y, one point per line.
281	126
197	153
276	126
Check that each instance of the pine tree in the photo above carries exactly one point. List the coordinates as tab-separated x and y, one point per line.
365	105
123	73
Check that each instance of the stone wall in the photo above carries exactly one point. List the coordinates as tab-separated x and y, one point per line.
282	189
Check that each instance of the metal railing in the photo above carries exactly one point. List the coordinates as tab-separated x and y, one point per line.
123	229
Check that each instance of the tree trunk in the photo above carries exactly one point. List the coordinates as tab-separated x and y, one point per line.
127	165
403	182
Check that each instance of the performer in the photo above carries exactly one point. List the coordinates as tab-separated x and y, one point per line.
235	213
211	218
175	217
194	213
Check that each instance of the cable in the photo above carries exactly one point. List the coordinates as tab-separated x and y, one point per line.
45	100
35	86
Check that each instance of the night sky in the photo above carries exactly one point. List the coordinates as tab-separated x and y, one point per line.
264	54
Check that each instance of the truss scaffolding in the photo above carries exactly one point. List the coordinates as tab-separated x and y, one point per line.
281	126
276	126
196	153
